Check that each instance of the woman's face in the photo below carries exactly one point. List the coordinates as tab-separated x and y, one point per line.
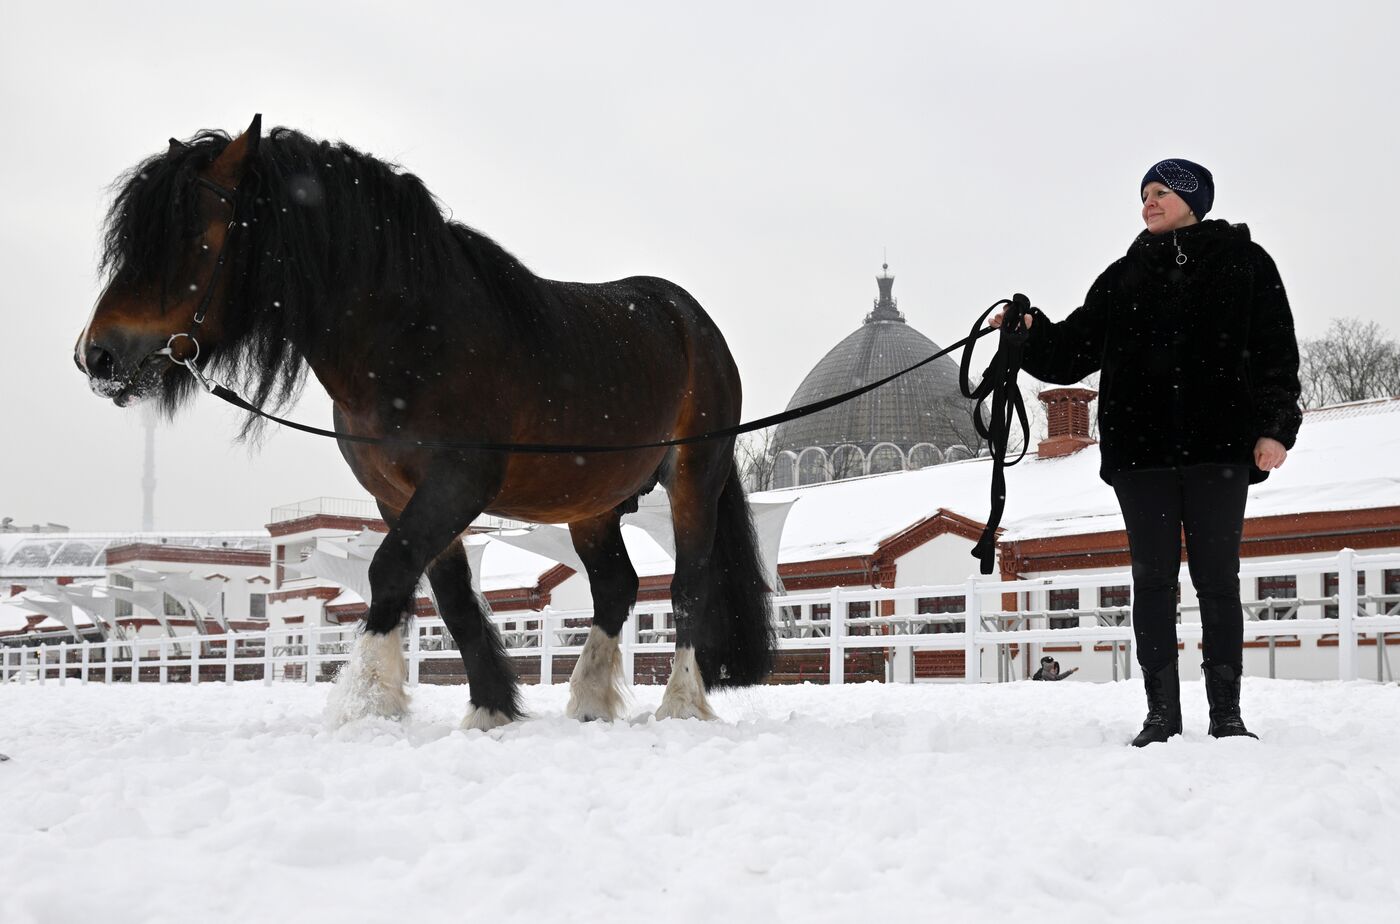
1163	210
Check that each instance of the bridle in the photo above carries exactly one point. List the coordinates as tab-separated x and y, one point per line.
190	361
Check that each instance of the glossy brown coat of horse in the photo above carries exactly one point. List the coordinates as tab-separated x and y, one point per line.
315	256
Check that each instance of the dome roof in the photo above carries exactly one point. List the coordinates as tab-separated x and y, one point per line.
924	406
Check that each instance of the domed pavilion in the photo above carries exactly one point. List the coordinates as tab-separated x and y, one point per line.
917	420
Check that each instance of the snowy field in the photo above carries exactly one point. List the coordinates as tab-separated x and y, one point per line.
855	803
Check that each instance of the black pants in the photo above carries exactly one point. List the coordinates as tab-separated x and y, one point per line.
1208	501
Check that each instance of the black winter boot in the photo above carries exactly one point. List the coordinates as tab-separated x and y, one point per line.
1223	694
1163	706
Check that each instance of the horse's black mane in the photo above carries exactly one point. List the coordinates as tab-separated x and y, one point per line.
321	226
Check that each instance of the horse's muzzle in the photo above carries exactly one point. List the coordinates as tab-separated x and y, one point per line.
125	372
96	362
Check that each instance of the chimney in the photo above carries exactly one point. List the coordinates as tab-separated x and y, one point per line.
1067	419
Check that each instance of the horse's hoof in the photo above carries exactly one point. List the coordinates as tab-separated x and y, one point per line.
685	691
372	682
589	709
574	711
685	710
597	688
484	719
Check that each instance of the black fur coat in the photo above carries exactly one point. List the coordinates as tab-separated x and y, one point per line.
1198	357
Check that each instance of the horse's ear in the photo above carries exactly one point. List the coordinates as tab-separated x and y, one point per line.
228	168
254	133
176	145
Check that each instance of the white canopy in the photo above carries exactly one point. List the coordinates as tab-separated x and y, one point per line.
103	609
346	562
152	601
653	517
60	610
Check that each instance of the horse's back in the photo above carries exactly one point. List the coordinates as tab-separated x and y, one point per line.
645	313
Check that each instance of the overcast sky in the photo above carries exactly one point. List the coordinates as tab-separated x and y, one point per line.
762	155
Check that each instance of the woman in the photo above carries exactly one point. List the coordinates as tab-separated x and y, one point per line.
1198	399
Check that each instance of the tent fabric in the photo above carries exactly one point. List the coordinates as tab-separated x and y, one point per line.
60	610
102	610
152	601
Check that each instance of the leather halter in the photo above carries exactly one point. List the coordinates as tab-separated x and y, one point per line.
170	350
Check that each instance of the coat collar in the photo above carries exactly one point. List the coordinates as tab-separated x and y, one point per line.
1162	252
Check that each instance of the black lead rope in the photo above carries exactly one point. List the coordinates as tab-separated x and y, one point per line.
998	383
219	391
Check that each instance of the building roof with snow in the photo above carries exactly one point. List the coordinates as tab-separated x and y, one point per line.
1347	457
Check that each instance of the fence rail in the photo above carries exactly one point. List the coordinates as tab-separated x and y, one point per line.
836	621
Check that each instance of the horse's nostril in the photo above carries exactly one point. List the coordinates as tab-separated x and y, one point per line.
99	362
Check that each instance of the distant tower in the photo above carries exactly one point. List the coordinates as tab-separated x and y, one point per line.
148	477
886	306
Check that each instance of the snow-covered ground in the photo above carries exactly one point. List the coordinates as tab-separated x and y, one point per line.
855	803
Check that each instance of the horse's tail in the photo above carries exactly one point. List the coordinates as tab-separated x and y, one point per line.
736	638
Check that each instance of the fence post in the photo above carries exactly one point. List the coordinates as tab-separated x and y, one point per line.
109	654
267	657
86	658
196	655
62	663
546	648
629	647
415	647
43	661
1346	616
229	649
836	634
972	625
313	646
135	661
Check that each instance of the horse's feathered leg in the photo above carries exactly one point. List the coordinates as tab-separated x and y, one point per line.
698	477
597	686
494	688
440	510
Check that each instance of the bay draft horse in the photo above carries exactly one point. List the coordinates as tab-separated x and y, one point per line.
269	255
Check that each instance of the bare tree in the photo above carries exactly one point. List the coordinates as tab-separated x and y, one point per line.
755	454
956	413
1354	361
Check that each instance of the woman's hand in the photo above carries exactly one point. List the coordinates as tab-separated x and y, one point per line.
995	319
1268	454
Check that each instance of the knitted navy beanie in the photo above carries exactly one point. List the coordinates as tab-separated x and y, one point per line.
1189	180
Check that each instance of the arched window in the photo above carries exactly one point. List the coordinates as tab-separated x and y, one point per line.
956	453
785	469
812	466
923	455
886	457
847	462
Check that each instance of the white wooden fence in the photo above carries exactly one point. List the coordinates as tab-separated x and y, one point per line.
814	621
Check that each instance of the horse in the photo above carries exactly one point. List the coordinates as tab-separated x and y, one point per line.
268	256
